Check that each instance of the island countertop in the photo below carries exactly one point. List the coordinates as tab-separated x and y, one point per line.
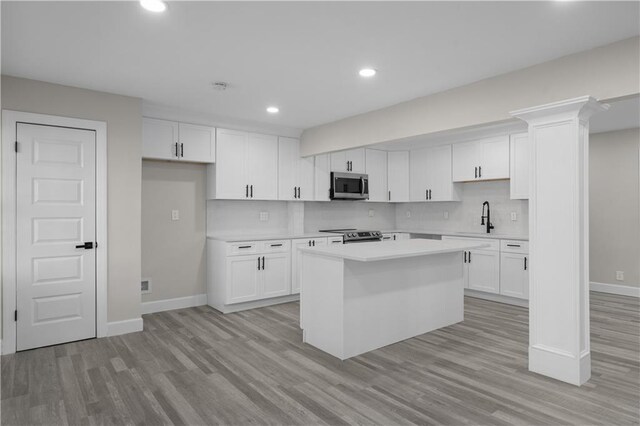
375	251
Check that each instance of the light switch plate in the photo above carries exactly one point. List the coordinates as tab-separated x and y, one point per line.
620	275
264	216
175	214
514	216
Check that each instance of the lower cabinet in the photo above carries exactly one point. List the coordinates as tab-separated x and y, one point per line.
483	271
242	275
514	269
275	275
296	256
395	236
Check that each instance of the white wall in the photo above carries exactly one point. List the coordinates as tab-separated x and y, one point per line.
606	72
348	214
173	252
232	217
465	215
124	144
614	207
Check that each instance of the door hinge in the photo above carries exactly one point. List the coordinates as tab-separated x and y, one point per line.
16	146
15	315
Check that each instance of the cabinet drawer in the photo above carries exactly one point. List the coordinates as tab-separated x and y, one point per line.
246	247
335	240
275	246
491	244
514	246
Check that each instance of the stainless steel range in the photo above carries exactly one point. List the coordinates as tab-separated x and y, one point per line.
350	236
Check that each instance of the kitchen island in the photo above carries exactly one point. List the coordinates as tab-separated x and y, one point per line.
359	297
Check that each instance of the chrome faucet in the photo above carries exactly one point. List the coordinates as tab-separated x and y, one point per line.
488	217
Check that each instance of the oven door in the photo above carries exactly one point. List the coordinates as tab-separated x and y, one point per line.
349	186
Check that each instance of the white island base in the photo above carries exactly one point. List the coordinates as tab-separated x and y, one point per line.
349	307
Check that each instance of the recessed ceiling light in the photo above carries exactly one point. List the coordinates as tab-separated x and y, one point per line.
367	72
154	5
273	110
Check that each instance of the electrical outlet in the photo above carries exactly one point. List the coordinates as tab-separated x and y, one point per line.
620	275
372	213
514	216
408	213
175	214
264	216
446	215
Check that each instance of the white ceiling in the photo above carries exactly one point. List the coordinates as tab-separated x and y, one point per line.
301	56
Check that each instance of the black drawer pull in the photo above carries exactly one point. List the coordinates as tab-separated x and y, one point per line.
276	245
465	257
244	247
513	245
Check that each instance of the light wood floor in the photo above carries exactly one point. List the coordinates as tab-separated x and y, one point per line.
195	366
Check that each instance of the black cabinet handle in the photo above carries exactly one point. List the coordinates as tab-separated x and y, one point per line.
429	194
276	245
513	245
426	194
246	191
298	193
469	257
465	257
476	172
394	237
177	150
525	263
263	263
480	171
258	263
313	243
181	150
389	195
244	247
251	191
87	245
309	242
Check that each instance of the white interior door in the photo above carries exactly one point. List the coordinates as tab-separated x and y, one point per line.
56	211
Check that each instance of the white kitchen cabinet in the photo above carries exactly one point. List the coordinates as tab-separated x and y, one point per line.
519	166
514	275
295	173
395	236
275	274
352	160
322	177
431	175
484	159
376	169
242	279
398	176
246	168
296	256
170	140
481	267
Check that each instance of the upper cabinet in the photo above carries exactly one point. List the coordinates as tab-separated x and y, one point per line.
169	140
430	175
519	164
322	177
484	159
376	168
247	166
295	173
398	176
352	160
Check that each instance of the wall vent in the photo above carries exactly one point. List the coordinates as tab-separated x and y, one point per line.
145	285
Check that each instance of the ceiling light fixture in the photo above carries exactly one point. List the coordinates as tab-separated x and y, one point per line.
154	5
273	110
367	72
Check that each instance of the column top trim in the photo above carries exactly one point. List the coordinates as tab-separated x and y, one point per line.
582	107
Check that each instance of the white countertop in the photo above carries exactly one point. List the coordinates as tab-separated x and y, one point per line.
371	252
236	238
493	235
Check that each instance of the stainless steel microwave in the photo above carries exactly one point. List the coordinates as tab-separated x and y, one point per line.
349	186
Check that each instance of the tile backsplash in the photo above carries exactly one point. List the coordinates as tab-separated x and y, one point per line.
348	214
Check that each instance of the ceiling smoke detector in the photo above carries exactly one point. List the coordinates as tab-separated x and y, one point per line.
221	86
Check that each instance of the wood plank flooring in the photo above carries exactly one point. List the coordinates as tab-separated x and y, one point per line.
195	366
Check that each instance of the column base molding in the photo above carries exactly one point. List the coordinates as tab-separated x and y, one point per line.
560	365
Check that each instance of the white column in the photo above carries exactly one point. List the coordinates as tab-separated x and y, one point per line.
559	345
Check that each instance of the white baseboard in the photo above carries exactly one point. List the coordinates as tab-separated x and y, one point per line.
117	328
622	290
237	307
496	298
177	303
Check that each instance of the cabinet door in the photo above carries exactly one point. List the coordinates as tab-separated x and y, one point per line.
306	171
296	256
514	278
376	162
288	155
159	139
398	176
439	180
357	161
230	169
242	279
275	275
519	166
418	164
322	178
262	166
494	158
465	161
197	143
339	161
484	270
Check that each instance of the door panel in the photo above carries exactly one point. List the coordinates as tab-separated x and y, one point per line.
56	294
231	178
357	159
159	138
288	155
465	160
494	158
242	281
418	170
484	271
322	177
262	166
306	171
514	279
338	161
198	143
276	275
398	175
377	171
